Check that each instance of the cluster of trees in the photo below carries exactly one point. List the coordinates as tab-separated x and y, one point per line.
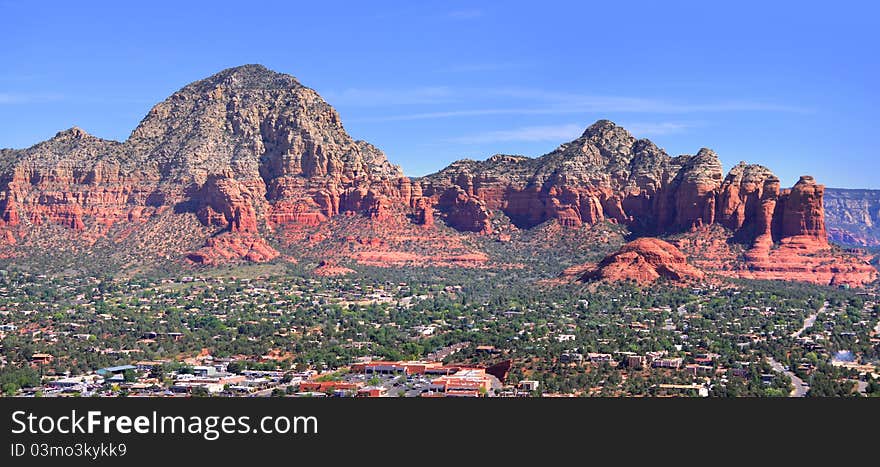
13	378
502	308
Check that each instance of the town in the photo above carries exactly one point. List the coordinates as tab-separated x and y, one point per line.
281	334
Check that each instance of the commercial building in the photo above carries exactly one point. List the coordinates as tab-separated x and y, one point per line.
408	368
467	382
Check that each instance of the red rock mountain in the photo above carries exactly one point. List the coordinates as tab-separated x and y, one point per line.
644	260
607	174
245	149
250	161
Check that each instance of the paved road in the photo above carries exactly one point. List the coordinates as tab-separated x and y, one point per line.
809	322
683	309
800	387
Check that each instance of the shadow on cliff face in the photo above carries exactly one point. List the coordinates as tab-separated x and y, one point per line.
190	203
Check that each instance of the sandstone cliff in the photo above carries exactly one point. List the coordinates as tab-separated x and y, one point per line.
246	150
250	161
607	174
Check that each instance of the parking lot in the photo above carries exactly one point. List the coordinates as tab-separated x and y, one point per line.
396	384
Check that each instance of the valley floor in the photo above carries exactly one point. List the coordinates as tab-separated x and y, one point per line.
279	330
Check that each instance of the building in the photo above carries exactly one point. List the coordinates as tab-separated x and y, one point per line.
41	358
702	370
73	384
636	362
328	386
651	356
571	357
467	382
372	391
204	371
409	368
528	385
213	384
600	357
674	363
149	365
115	370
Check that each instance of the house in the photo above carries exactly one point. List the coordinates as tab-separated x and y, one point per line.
674	363
599	357
695	369
41	358
571	357
204	371
636	362
528	385
73	384
148	365
115	370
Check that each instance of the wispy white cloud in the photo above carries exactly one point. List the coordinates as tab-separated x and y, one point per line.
566	132
465	14
21	98
589	102
641	129
530	101
539	102
529	133
389	97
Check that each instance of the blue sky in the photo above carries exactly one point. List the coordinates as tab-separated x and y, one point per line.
791	85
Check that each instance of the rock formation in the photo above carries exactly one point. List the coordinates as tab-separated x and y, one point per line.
329	268
607	174
250	161
798	258
246	150
644	260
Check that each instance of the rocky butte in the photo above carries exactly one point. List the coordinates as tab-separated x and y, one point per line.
249	161
644	260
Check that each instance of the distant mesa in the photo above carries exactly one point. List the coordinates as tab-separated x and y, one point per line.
853	217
